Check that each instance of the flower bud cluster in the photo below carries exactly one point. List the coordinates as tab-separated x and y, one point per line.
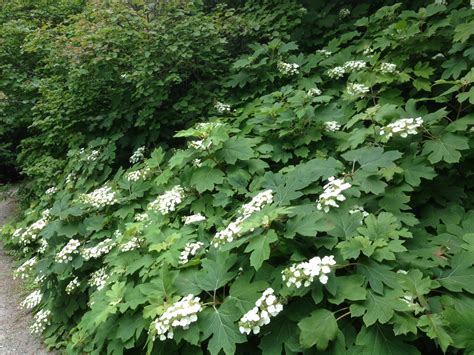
195	218
132	244
222	108
67	252
99	278
32	300
72	285
388	68
332	193
356	89
331	126
303	274
402	127
336	72
101	197
288	68
168	201
23	271
98	250
138	155
40	321
233	229
266	307
52	190
354	65
136	175
314	92
179	314
190	250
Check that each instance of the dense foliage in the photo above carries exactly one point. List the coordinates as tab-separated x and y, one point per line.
278	178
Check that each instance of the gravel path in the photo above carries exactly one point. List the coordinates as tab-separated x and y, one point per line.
15	338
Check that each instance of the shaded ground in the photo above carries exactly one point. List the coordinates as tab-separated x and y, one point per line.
15	337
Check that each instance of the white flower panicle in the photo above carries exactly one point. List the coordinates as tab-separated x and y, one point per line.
99	278
368	51
199	144
101	197
344	12
331	126
205	128
132	244
288	68
32	300
314	92
388	68
39	279
332	193
266	307
30	234
70	178
52	190
43	246
197	163
168	201
472	4
359	209
136	175
441	2
141	217
356	89
190	250
72	285
104	247
303	274
233	229
67	252
92	156
324	52
24	270
195	218
354	65
179	314
336	72
222	108
402	127
138	155
40	321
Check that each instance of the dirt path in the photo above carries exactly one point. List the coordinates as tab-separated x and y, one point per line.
15	338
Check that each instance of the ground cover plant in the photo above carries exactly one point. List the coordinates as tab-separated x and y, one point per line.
314	195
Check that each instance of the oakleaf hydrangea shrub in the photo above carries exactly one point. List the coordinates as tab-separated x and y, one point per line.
328	222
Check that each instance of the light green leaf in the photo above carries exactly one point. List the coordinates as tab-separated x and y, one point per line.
205	178
318	329
446	148
260	247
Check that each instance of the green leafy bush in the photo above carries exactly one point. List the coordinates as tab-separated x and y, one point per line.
322	205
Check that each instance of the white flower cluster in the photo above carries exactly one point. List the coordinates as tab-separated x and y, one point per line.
266	307
194	218
132	244
70	178
356	89
197	163
99	278
331	126
72	285
359	209
23	271
332	193
26	236
288	68
303	274
66	253
402	127
199	144
354	65
136	175
222	107
344	12
314	92
205	128
93	155
441	2
179	314
472	4
368	51
101	197
190	250
388	68
32	300
168	202
336	72
43	246
138	155
233	228
98	250
41	321
324	52
51	190
141	217
39	279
